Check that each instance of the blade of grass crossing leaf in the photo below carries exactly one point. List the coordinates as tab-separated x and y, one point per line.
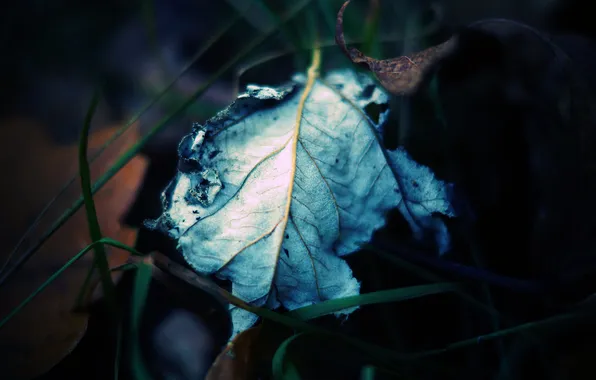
139	298
388	358
100	259
383	296
74	259
134	150
379	354
281	367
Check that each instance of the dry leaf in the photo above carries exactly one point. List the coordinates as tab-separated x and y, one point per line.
400	75
274	190
234	362
46	330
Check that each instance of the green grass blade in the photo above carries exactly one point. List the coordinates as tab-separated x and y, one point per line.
56	274
281	367
139	298
379	354
383	296
148	10
368	373
134	150
291	36
86	283
426	275
100	260
124	267
523	328
329	15
372	45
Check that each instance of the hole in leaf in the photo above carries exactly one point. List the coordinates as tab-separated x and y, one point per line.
374	111
368	91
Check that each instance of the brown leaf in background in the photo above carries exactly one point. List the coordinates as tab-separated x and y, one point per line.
235	361
399	75
36	167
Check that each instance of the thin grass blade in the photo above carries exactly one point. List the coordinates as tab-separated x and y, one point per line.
139	298
100	260
368	373
281	367
523	328
383	296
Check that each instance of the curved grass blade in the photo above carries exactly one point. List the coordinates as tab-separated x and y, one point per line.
281	368
471	273
140	292
383	296
377	353
209	43
523	328
75	258
133	151
425	274
100	260
368	373
382	356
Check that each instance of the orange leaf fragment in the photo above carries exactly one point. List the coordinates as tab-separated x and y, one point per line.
235	361
46	330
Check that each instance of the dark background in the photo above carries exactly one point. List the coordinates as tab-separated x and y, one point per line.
55	54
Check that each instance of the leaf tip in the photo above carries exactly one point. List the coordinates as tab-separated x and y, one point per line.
353	54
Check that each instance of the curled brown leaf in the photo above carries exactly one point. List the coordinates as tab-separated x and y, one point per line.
400	75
